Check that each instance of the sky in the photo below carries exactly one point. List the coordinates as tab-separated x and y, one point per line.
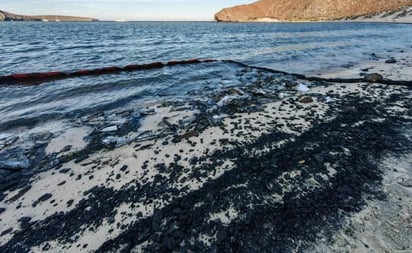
122	9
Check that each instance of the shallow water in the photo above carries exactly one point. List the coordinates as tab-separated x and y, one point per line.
295	47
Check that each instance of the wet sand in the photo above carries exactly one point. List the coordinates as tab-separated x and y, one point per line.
275	165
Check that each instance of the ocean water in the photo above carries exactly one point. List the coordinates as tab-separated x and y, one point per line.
305	48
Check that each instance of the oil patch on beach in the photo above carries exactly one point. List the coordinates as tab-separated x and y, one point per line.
269	163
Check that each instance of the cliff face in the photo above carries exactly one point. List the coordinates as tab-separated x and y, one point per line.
308	10
7	16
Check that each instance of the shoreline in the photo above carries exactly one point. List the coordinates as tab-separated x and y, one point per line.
391	65
265	20
275	164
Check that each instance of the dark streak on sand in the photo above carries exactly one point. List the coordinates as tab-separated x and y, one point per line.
366	79
263	224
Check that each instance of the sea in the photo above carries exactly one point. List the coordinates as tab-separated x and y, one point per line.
304	48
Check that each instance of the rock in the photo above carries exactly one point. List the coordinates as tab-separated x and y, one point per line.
42	199
81	158
20	193
124	168
2	210
391	60
25	219
45	197
69	203
306	100
7	231
64	171
373	55
373	78
66	148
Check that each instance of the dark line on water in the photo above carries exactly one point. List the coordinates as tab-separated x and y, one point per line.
320	79
39	78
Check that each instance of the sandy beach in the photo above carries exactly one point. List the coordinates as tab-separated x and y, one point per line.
400	16
277	164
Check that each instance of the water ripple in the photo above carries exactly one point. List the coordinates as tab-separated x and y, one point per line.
296	47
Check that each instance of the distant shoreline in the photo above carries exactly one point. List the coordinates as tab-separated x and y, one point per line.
212	21
323	21
405	20
11	17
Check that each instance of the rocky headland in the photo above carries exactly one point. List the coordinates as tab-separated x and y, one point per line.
318	10
7	16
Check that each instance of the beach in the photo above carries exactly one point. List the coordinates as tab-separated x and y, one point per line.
274	164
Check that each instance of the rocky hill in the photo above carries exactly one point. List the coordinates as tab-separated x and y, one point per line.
7	16
309	10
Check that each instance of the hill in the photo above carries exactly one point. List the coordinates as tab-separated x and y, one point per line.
7	16
310	10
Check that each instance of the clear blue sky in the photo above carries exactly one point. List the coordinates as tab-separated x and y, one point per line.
123	9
